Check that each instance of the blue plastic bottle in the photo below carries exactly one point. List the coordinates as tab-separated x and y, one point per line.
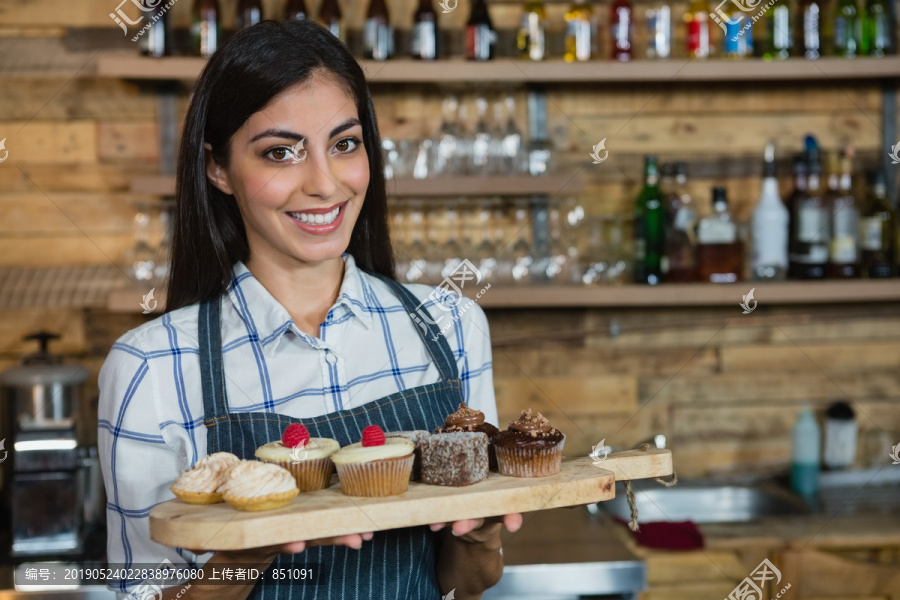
805	455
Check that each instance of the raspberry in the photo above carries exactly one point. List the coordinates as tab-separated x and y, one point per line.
372	435
295	435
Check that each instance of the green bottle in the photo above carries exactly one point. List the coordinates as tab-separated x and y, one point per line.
876	22
847	29
649	228
779	38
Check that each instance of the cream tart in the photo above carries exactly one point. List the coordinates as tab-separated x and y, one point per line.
200	484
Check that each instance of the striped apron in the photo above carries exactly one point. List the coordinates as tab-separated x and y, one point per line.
395	564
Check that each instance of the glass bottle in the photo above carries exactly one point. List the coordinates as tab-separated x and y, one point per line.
480	34
331	17
157	41
521	250
649	228
876	28
843	256
779	38
530	38
425	38
580	29
809	226
681	249
809	23
295	10
847	29
697	20
770	225
720	255
659	30
249	13
878	231
206	27
737	41
378	36
621	26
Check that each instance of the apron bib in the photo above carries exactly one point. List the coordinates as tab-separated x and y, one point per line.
399	563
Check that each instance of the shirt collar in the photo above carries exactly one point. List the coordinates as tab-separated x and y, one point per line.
265	316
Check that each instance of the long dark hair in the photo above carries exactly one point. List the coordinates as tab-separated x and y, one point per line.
243	76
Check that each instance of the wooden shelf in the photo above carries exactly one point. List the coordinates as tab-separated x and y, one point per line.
673	294
507	70
550	185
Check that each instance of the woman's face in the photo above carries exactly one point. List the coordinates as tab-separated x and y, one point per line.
299	201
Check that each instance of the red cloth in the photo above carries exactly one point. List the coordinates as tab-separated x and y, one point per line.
667	535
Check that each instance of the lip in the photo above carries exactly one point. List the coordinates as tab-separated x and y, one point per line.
323	229
322	211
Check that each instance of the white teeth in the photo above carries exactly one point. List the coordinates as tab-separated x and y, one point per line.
317	218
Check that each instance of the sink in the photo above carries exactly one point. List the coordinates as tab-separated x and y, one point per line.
703	503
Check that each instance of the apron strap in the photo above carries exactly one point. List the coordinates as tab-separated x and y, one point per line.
212	375
426	327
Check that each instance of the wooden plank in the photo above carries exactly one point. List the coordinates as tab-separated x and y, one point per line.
693	566
831	357
768	456
71	213
69	143
59	249
690	591
16	324
91	177
95	99
118	142
59	12
527	355
569	395
329	512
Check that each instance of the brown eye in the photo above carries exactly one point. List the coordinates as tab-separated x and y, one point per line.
279	153
342	145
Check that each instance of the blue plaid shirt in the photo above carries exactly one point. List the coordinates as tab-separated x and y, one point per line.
151	405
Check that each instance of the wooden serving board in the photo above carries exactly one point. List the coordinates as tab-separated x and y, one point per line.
329	512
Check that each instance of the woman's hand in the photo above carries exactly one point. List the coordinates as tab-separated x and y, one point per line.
479	530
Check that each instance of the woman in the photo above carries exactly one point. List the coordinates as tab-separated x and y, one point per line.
283	308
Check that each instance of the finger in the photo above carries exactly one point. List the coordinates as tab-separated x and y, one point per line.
292	548
513	521
465	526
437	526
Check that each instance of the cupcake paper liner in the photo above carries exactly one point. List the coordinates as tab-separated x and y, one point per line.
310	474
530	462
376	478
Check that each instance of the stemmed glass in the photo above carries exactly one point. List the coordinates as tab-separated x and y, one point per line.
480	158
514	158
522	249
486	250
141	257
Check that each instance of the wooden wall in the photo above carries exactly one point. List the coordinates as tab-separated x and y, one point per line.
723	386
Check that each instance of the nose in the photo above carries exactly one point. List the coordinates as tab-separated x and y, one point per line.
318	179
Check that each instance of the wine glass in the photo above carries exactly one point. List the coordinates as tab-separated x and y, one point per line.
141	257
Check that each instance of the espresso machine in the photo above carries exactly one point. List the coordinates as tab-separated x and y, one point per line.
51	490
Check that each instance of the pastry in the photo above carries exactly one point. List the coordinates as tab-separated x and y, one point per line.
469	419
375	466
255	485
415	436
307	458
530	447
455	458
200	484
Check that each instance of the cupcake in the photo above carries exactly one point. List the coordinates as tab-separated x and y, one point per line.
375	466
455	458
307	458
255	485
469	419
529	447
200	484
415	436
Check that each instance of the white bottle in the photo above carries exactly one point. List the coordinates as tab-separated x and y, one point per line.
770	226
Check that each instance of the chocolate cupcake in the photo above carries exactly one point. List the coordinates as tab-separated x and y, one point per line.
469	419
530	447
455	458
415	436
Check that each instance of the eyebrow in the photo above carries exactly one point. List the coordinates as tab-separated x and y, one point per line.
284	133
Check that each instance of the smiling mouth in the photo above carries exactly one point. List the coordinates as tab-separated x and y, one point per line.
318	218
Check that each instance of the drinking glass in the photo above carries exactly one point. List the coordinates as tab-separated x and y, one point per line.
479	159
141	257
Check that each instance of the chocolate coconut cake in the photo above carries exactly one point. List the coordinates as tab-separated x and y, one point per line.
455	458
469	419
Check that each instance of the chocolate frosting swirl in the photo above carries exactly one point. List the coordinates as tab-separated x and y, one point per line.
464	417
528	423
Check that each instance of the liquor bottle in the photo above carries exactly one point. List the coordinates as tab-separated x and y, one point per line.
480	34
737	41
770	226
424	43
378	36
331	17
847	29
779	38
206	27
158	39
580	28
876	27
800	175
249	13
659	30
530	38
843	258
878	231
697	19
681	249
808	245
720	254
295	10
649	228
621	24
809	19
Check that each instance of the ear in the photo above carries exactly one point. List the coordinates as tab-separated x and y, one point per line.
216	174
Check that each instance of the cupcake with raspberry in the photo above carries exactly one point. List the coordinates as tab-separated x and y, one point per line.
530	447
469	419
307	458
255	485
376	466
200	484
